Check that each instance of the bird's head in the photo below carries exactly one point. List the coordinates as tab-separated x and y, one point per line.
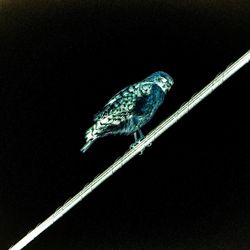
162	79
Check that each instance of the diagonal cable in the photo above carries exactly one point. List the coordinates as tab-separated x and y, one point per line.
155	133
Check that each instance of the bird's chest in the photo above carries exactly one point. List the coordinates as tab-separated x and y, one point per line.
146	106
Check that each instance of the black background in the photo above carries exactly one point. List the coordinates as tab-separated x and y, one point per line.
61	62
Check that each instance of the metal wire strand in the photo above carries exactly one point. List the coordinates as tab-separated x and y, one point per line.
184	109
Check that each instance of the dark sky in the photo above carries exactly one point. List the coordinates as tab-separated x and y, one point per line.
61	62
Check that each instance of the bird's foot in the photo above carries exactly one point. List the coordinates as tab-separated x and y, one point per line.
135	144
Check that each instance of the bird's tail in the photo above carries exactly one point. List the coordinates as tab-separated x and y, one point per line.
90	137
86	146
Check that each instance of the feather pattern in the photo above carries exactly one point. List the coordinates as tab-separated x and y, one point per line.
131	108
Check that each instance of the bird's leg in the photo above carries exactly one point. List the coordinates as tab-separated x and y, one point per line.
135	136
141	135
136	139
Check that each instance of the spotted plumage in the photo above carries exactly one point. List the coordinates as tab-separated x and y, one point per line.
130	109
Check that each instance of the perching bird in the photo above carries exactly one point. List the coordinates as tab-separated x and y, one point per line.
130	109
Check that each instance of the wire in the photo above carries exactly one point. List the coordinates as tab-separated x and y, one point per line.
155	133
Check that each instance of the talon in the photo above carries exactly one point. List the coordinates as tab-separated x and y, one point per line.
141	152
134	144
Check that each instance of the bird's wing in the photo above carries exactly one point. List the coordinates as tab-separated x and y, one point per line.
123	103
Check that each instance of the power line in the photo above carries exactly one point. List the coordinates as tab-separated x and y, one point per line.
155	133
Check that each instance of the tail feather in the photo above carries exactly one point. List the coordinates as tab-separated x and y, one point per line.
86	146
91	135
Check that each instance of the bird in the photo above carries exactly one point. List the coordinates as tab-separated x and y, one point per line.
130	109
